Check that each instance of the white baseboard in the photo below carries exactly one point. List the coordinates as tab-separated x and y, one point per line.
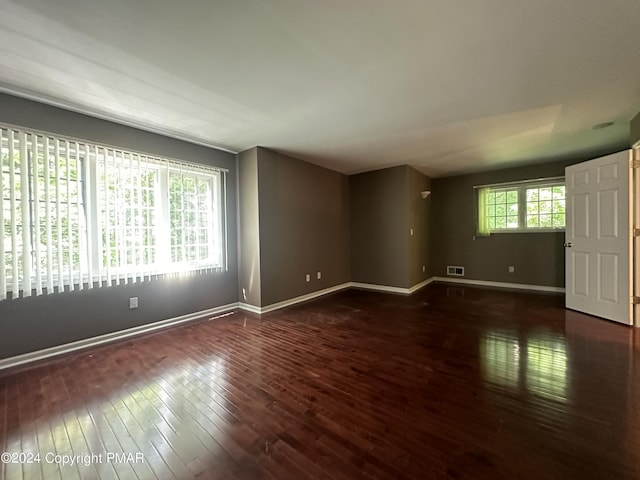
326	291
249	308
420	285
379	288
110	337
293	301
390	289
486	283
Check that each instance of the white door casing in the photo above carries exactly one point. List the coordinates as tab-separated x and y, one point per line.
598	237
635	215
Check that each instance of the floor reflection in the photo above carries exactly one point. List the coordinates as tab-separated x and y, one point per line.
536	364
485	384
174	413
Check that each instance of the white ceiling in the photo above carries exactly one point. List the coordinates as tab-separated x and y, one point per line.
447	86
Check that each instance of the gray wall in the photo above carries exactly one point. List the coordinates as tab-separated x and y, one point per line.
538	257
39	322
420	220
304	227
294	218
385	206
635	129
249	277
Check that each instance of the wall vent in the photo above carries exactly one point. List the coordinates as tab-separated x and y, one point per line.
455	271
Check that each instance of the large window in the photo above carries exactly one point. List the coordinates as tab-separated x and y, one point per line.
76	215
525	206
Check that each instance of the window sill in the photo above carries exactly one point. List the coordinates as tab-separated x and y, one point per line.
530	230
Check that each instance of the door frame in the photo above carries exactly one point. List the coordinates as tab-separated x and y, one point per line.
634	254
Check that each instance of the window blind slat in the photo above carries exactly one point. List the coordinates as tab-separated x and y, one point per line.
107	201
96	230
48	213
35	175
132	239
69	249
15	287
77	218
88	203
119	218
58	215
138	245
182	199
26	221
3	276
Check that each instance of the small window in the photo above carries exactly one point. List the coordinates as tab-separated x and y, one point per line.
545	207
537	205
502	209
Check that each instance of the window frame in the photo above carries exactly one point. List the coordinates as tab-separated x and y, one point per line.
90	271
522	187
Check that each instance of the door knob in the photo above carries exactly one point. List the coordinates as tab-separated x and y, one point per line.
568	245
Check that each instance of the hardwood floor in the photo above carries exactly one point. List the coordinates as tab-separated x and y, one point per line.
451	382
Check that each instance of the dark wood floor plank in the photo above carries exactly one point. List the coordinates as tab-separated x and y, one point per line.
63	446
46	445
161	459
452	382
111	444
179	437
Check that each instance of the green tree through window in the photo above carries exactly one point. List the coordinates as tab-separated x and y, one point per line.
523	206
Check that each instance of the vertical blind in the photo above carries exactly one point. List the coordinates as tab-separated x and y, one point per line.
77	215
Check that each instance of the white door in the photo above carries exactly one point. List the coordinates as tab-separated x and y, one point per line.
598	238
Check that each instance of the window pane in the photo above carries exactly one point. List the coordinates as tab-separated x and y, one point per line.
123	206
503	212
545	207
192	219
546	221
558	192
558	220
546	193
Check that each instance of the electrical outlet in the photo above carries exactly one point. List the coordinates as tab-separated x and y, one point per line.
308	277
133	303
512	269
424	268
411	231
319	275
